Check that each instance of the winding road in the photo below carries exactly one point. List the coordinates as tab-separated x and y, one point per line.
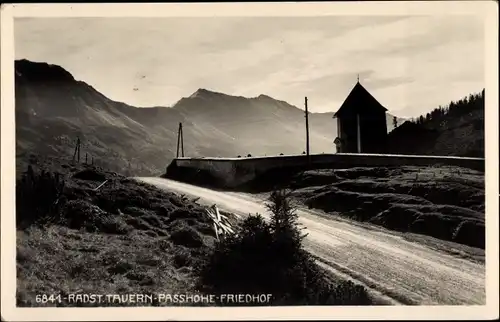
395	270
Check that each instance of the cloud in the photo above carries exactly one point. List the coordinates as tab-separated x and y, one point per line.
410	63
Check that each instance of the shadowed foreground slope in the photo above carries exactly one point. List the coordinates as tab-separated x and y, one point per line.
128	237
124	238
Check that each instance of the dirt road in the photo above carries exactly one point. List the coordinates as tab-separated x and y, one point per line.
397	270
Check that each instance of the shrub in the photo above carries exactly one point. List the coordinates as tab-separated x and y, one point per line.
268	258
121	198
186	236
182	257
37	196
470	233
183	213
284	223
80	213
89	174
113	225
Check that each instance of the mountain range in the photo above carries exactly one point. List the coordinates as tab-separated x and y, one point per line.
53	109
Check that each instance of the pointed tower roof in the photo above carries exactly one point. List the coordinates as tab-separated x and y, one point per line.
359	99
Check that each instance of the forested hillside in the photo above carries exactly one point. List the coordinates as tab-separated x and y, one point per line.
454	129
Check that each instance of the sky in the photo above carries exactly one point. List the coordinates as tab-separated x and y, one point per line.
411	64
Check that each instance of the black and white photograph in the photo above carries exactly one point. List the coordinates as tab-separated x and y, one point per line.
324	158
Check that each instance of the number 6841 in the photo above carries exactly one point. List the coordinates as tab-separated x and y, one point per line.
44	298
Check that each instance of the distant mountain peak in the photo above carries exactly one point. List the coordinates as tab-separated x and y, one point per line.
263	96
41	72
203	92
209	94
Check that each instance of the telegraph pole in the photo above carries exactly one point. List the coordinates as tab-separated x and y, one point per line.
307	130
180	141
77	150
178	138
79	146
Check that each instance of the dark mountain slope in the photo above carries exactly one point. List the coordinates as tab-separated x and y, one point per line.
52	109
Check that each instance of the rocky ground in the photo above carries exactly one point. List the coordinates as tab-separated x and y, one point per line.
443	202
